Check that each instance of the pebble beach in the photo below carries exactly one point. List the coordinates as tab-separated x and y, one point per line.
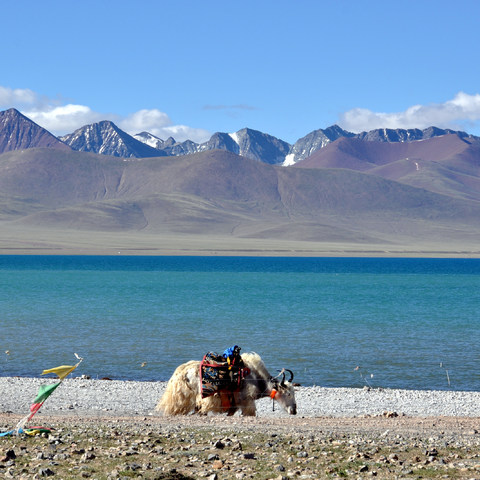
107	429
86	397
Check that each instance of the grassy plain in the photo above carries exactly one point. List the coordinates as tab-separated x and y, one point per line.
21	240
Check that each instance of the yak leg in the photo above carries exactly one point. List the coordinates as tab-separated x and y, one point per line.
248	409
231	411
228	402
210	404
246	403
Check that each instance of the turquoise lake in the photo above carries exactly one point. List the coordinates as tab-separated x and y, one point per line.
404	322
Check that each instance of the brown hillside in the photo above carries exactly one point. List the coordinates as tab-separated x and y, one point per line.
447	165
220	193
345	152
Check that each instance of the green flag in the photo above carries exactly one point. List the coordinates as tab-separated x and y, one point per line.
44	392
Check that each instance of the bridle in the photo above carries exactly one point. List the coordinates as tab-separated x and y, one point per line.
274	380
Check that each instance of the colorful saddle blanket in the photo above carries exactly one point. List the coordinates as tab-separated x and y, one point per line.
220	374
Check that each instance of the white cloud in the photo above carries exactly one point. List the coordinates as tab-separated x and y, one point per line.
64	119
182	132
462	112
159	124
60	118
143	120
17	96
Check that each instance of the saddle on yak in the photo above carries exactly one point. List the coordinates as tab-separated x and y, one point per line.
223	375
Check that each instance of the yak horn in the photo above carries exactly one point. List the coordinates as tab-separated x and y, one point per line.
291	374
282	372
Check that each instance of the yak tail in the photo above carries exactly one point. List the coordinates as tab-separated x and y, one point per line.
180	396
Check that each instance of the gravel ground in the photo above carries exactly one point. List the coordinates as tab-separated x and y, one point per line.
109	430
84	397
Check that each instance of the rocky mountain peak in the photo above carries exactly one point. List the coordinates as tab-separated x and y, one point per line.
149	139
106	138
260	146
307	145
17	132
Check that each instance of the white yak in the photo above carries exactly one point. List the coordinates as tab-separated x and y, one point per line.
183	393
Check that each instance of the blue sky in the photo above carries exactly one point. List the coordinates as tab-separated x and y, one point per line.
190	68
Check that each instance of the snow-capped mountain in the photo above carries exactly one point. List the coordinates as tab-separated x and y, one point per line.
268	149
149	139
249	143
19	132
172	147
304	147
246	142
407	135
260	146
169	146
106	138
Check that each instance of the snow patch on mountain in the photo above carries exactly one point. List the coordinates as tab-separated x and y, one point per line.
235	137
289	160
149	139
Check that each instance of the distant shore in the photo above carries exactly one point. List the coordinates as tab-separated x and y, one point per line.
298	251
22	240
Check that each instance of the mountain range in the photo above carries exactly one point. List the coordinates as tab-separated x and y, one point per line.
406	190
106	138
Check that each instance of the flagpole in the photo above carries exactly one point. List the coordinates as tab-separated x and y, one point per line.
62	372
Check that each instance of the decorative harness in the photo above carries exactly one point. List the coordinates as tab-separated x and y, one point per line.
223	375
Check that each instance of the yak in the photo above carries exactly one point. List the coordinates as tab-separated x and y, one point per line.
183	392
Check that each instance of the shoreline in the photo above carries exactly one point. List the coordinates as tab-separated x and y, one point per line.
24	240
287	253
116	398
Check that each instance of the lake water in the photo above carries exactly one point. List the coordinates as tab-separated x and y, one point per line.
404	323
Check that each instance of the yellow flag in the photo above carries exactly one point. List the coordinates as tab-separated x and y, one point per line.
61	371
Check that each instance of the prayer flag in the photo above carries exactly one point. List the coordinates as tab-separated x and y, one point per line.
61	371
44	392
35	407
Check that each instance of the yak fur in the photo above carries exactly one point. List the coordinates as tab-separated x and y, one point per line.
183	396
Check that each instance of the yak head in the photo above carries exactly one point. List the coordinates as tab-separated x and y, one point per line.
283	392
